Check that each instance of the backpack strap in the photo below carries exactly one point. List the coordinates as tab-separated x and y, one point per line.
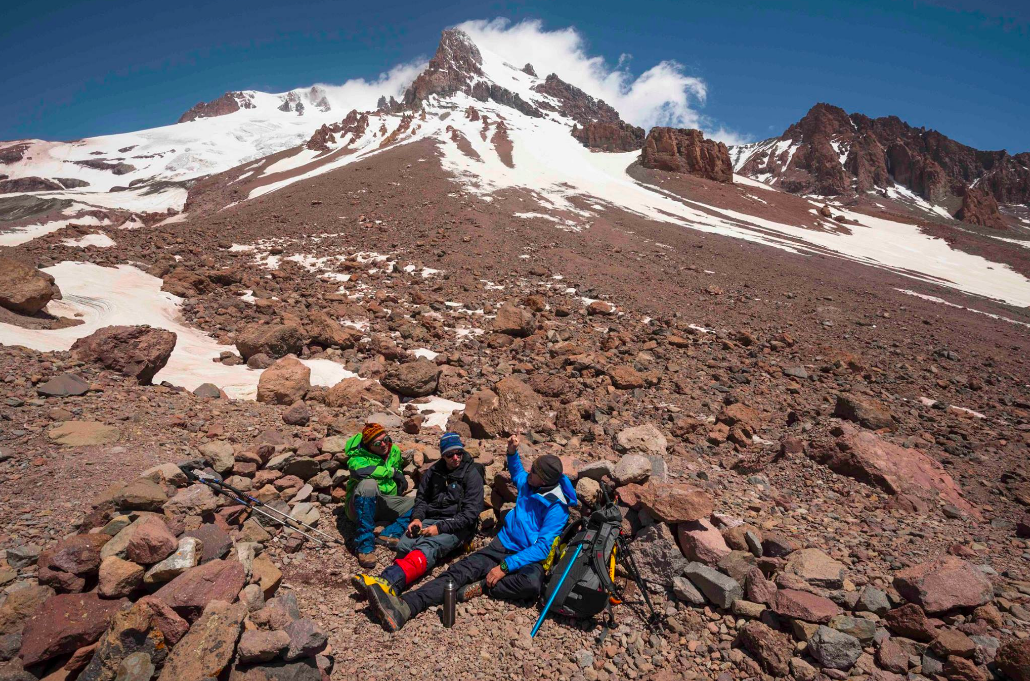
600	553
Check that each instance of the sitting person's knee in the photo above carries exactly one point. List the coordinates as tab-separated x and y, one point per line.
367	488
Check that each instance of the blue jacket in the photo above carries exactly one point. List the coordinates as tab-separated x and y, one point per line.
532	526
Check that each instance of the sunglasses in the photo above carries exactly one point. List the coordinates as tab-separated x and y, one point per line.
456	454
383	441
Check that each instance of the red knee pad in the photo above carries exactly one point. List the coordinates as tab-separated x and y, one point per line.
414	566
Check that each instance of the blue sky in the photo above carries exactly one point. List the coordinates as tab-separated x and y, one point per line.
76	69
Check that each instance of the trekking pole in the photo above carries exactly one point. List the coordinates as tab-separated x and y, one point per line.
253	504
634	574
554	592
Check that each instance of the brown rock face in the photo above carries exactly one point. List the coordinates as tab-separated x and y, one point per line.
864	456
805	606
980	208
209	645
686	151
23	288
64	624
609	136
137	351
577	104
456	59
944	584
514	321
354	391
863	410
285	382
1014	659
770	647
28	184
226	104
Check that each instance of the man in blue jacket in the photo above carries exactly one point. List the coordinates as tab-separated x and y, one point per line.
511	563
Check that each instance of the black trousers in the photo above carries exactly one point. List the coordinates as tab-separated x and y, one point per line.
524	583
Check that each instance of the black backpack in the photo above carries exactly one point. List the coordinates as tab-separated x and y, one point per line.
581	581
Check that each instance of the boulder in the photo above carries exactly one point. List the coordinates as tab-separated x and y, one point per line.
325	331
645	440
136	351
412	379
771	648
262	646
23	288
682	150
208	647
868	458
864	411
299	414
196	499
625	377
215	542
835	649
511	407
151	542
658	557
513	321
816	568
64	624
285	382
357	392
274	340
718	588
701	542
78	554
805	606
220	455
189	593
142	494
209	391
676	502
65	385
1013	659
943	584
632	468
306	639
685	591
119	577
910	621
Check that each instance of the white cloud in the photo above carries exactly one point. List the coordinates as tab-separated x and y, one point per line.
362	95
662	95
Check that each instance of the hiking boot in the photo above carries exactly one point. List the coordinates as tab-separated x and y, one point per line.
470	591
367	560
389	542
361	582
390	611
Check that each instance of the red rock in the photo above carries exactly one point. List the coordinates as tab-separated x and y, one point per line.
64	624
625	377
1013	658
910	621
700	541
510	407
943	584
78	555
167	620
514	321
226	104
676	502
136	351
600	308
771	648
681	150
980	208
892	657
960	669
412	379
274	340
805	606
208	647
863	410
191	591
612	137
151	542
868	458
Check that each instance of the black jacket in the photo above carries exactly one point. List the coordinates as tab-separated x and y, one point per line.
454	498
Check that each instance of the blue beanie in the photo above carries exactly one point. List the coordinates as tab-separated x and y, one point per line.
449	442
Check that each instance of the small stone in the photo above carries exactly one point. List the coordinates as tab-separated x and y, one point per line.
186	555
119	578
718	588
835	649
262	646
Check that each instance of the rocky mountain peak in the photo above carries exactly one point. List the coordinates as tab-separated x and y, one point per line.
228	103
451	69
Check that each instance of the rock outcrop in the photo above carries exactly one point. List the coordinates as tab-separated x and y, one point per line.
137	351
226	104
686	151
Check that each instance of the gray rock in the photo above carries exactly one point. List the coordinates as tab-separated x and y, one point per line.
65	385
632	468
11	643
835	649
658	556
306	639
862	629
683	590
754	544
932	665
23	556
208	390
218	455
718	588
873	600
645	439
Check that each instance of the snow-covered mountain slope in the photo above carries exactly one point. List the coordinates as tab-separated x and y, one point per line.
504	133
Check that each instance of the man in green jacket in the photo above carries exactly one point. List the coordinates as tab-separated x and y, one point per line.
374	489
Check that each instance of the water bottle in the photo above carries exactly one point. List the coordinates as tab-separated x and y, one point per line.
450	598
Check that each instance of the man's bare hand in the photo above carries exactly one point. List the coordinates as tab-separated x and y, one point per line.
431	531
412	531
494	576
513	444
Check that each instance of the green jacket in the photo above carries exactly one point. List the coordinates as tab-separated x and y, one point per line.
363	464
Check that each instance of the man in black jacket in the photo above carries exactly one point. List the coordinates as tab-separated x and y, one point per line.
445	515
